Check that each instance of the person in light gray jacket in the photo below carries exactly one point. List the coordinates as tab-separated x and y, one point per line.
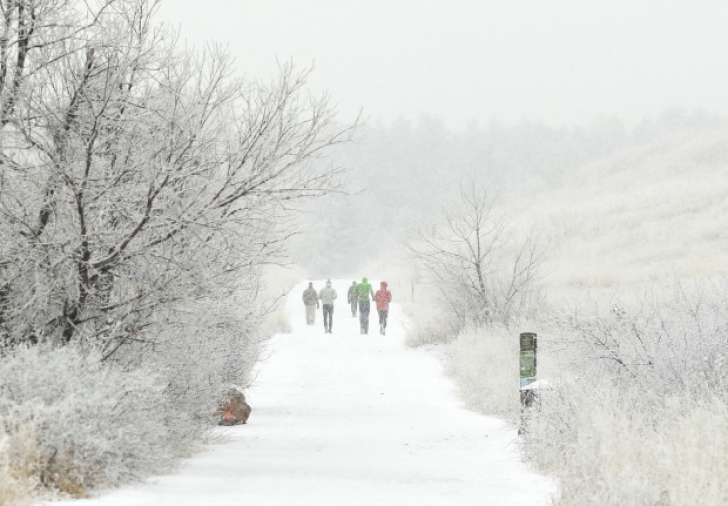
327	296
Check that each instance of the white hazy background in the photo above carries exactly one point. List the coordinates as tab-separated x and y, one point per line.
604	125
561	62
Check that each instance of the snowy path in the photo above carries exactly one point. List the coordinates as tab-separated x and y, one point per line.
344	419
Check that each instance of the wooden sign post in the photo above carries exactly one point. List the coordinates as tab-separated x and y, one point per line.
528	362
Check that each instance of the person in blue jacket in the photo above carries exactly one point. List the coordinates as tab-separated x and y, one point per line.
352	299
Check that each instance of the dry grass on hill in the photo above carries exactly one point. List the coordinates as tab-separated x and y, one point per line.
641	219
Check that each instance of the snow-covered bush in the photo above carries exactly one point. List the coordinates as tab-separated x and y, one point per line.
612	447
430	325
670	347
197	357
640	415
432	331
10	486
71	422
276	284
484	363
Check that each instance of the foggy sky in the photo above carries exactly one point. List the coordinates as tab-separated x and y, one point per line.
556	61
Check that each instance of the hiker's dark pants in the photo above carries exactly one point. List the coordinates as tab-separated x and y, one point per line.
353	307
364	316
328	316
383	318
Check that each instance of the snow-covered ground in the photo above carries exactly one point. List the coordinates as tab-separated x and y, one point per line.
346	419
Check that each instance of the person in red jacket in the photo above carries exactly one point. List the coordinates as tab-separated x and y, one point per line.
383	297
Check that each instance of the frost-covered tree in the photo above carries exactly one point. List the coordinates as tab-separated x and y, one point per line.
139	184
480	275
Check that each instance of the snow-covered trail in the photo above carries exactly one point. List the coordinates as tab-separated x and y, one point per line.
345	419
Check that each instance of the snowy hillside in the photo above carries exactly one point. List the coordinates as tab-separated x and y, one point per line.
639	218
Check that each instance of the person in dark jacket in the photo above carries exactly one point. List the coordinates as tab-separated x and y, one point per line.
310	300
364	294
383	297
352	298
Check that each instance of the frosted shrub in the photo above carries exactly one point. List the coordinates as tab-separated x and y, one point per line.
667	347
10	487
72	422
276	284
215	345
640	416
276	320
630	448
433	327
484	362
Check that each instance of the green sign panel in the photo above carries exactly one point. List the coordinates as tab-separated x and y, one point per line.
528	341
528	364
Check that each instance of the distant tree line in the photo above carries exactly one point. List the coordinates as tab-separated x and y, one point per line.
402	174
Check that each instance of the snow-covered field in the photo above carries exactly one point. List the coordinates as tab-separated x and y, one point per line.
346	419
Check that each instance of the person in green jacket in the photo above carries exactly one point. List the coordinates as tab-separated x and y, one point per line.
364	294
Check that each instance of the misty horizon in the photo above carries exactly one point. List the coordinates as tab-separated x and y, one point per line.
561	64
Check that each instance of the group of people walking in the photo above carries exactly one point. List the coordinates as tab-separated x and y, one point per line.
311	299
359	296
